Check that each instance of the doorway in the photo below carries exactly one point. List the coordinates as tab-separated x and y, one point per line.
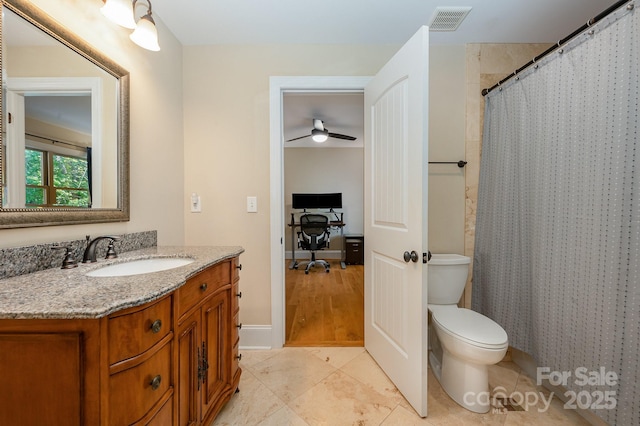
278	86
324	308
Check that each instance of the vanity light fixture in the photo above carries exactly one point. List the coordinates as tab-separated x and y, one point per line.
146	34
122	12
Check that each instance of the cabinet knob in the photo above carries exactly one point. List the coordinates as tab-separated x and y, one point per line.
239	267
239	295
156	326
155	382
239	357
239	326
203	286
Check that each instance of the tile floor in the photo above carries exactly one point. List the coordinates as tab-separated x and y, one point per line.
344	386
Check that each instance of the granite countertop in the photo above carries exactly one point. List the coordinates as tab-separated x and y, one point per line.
70	294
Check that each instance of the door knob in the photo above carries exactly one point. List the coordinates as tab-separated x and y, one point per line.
413	256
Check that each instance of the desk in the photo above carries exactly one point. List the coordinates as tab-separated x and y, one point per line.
332	224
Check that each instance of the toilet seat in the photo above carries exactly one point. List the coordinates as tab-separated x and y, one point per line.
470	326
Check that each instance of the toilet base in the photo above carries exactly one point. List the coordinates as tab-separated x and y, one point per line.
462	368
436	366
466	383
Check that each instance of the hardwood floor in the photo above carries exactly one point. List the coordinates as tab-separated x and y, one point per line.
325	309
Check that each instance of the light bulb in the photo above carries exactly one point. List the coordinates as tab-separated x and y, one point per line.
119	12
146	34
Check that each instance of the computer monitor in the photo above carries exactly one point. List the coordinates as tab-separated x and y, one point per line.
316	201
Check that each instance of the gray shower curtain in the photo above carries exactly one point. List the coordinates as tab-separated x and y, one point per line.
557	250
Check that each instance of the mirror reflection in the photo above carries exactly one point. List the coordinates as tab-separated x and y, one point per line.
58	150
59	121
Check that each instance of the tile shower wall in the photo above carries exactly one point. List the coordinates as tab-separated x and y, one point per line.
25	260
486	65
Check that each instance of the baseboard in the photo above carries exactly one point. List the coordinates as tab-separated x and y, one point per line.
529	366
255	337
323	254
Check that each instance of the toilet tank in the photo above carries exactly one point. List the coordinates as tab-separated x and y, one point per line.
447	276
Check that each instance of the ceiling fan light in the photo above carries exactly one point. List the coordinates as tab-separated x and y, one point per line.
319	135
119	12
146	34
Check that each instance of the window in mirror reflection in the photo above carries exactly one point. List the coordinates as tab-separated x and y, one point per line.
54	179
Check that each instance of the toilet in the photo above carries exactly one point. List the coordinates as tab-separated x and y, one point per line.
462	342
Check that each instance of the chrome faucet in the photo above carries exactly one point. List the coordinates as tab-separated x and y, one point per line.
90	251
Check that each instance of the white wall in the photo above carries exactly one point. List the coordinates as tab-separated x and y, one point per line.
326	170
226	114
157	168
226	100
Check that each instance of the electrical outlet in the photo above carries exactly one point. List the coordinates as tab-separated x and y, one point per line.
252	204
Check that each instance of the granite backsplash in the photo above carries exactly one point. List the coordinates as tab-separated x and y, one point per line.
25	260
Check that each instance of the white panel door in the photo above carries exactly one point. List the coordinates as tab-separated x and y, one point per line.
396	146
15	195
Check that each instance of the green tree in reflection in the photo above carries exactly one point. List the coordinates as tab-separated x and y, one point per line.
69	176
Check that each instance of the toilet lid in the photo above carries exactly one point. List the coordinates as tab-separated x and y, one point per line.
471	326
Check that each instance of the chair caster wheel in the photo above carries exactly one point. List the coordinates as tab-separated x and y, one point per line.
306	272
326	270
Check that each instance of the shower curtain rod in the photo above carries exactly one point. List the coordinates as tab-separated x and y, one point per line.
560	43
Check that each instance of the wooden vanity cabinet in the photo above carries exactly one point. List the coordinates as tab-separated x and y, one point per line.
206	375
170	361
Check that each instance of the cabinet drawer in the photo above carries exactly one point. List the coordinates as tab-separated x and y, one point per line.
202	285
236	267
235	328
163	417
133	392
235	298
235	359
135	331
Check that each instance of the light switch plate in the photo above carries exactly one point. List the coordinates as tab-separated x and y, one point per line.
252	204
196	206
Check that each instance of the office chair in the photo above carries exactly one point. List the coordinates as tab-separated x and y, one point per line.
313	236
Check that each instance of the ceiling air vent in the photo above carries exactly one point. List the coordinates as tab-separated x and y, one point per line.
448	18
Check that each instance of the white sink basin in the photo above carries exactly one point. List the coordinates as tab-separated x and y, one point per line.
142	266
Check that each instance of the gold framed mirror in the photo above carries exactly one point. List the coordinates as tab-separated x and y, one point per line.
64	151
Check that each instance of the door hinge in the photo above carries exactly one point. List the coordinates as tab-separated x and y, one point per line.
426	257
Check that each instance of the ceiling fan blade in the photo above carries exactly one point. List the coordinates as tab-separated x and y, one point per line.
295	139
339	136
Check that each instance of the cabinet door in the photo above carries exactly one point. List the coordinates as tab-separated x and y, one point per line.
189	347
216	335
29	365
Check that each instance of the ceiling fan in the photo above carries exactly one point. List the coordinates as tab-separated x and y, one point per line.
319	133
